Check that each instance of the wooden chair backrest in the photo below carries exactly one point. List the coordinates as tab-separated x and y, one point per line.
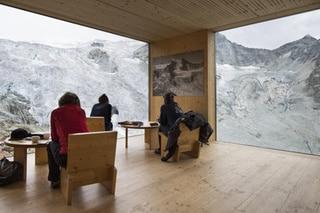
91	150
186	135
95	124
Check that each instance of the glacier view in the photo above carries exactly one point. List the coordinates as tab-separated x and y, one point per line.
269	98
34	76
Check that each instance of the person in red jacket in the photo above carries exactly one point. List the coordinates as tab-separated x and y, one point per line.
67	119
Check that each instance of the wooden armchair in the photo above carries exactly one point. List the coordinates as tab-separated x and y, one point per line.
187	142
91	158
95	124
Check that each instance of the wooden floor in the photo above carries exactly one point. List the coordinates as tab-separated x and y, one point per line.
226	178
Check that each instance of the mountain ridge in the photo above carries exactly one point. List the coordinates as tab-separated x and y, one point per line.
235	54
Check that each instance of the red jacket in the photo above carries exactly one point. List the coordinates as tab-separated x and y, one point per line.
66	120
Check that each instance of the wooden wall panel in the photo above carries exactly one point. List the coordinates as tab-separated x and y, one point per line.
201	40
211	83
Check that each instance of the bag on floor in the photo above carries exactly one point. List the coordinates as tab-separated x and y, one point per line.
10	171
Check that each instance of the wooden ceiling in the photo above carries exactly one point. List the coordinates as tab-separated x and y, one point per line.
152	20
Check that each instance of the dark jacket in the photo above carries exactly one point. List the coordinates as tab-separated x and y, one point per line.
169	114
103	110
194	120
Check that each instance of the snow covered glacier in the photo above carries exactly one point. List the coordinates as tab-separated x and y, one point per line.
269	98
33	76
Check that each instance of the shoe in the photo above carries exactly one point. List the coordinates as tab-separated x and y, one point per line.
164	159
55	185
157	151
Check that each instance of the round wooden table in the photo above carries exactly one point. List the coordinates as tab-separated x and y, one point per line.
150	133
20	151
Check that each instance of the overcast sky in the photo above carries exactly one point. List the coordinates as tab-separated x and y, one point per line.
272	34
19	25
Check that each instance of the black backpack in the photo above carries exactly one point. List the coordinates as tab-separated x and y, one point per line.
10	171
19	134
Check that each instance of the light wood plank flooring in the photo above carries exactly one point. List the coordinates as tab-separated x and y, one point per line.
226	178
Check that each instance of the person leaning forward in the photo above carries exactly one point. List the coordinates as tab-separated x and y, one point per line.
170	112
67	119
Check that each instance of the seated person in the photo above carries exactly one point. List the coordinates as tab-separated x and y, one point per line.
67	119
103	109
170	112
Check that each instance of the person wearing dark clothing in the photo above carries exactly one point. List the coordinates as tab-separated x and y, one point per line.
55	161
103	109
67	119
171	116
170	112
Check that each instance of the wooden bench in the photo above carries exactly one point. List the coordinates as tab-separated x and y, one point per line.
95	124
91	158
187	142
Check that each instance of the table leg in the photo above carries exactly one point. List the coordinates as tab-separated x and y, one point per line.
20	155
126	138
41	156
147	138
151	137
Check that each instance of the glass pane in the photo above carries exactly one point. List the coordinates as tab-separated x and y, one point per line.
41	58
268	84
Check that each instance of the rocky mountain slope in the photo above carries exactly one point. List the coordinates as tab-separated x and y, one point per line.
34	76
270	97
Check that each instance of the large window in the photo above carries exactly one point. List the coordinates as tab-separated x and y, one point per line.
268	84
41	58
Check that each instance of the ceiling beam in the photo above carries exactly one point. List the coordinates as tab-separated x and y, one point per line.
154	20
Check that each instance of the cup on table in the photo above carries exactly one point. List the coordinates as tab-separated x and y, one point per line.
46	136
35	139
